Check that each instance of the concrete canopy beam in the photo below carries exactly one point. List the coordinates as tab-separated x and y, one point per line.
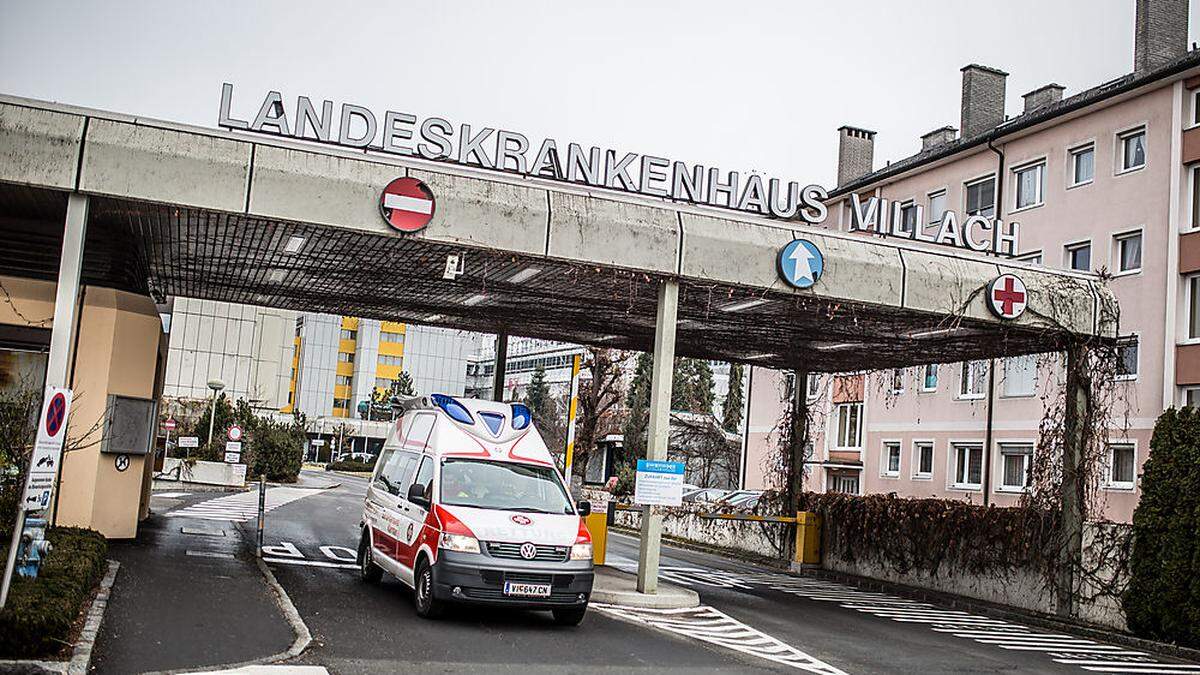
731	251
606	231
162	165
948	284
39	147
870	274
477	212
1056	301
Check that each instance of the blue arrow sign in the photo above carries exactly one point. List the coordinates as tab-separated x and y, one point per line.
801	263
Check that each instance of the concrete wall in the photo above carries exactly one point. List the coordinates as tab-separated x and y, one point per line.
759	539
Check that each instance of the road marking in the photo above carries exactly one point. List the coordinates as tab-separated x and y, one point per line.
242	506
710	625
209	554
312	563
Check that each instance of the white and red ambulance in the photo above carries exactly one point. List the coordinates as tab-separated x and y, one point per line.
465	505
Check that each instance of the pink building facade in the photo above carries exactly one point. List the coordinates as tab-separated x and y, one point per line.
1107	181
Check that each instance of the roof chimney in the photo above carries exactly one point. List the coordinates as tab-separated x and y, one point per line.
1160	35
1043	96
938	137
982	99
856	153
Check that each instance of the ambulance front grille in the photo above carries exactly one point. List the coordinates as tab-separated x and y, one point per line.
499	549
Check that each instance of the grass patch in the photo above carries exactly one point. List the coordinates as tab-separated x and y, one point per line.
41	612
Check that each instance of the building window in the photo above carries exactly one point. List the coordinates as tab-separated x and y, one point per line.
388	360
383	383
1133	149
1196	198
1122	460
908	217
1191	397
922	459
1031	184
981	197
889	465
897	380
1034	258
343	403
1127	358
974	379
1020	374
968	465
342	380
844	483
1014	466
937	206
346	357
1083	165
1194	307
929	377
812	386
1079	256
849	416
386	336
348	334
1128	249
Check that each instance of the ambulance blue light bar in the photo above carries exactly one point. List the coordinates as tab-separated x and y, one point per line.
457	411
521	416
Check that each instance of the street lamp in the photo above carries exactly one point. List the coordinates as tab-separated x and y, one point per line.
216	386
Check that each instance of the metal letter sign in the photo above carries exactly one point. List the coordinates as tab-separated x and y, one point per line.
407	204
801	263
1007	297
47	450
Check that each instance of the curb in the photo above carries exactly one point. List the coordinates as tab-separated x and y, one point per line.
303	636
605	591
81	652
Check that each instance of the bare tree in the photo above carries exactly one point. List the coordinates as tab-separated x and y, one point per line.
600	392
709	452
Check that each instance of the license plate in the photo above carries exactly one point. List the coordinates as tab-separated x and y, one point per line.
527	590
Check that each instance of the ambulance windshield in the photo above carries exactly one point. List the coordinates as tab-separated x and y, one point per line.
505	486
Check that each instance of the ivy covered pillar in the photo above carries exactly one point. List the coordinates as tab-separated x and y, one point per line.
797	438
1076	418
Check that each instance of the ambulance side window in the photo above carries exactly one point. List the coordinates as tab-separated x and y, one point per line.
419	430
384	458
425	476
398	472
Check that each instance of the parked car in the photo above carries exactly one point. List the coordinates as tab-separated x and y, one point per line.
735	499
704	495
364	457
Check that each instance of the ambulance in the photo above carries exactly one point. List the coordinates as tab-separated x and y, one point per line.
465	505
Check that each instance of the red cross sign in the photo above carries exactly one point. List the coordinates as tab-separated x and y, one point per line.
1007	297
407	204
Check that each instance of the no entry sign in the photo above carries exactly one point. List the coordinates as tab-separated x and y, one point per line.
1007	297
407	204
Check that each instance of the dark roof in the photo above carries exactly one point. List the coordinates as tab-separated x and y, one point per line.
1084	98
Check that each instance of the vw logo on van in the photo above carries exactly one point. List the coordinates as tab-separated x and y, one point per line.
521	520
528	551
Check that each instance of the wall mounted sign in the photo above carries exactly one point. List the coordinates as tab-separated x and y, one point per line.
407	204
800	263
895	219
435	138
121	462
47	449
1007	297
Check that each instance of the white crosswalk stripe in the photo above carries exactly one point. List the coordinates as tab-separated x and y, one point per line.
242	506
710	625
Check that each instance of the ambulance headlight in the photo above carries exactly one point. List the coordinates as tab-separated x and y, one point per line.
458	542
581	551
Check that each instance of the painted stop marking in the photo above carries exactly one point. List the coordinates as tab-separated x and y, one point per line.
407	204
56	414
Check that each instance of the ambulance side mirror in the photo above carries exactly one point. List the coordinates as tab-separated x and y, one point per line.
584	507
416	495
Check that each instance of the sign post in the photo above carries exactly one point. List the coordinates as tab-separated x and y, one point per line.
572	412
43	468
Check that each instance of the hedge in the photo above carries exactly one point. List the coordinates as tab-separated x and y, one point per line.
925	534
40	613
351	465
1163	598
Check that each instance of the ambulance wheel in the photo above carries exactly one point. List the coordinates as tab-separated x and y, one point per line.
428	607
367	569
569	617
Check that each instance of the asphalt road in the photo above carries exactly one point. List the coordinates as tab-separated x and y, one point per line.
752	619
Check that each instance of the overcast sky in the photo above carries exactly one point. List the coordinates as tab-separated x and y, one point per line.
739	84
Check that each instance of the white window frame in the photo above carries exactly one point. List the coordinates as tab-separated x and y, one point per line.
917	443
1072	246
974	181
1115	251
1183	396
964	392
910	203
1013	489
893	375
1192	221
1109	483
1039	165
837	420
930	219
1004	391
885	458
1076	149
1193	119
1033	258
937	376
1119	168
952	466
1188	291
811	393
1136	338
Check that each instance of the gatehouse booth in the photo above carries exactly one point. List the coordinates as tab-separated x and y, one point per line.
104	217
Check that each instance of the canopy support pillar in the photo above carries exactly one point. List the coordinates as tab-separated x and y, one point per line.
661	375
